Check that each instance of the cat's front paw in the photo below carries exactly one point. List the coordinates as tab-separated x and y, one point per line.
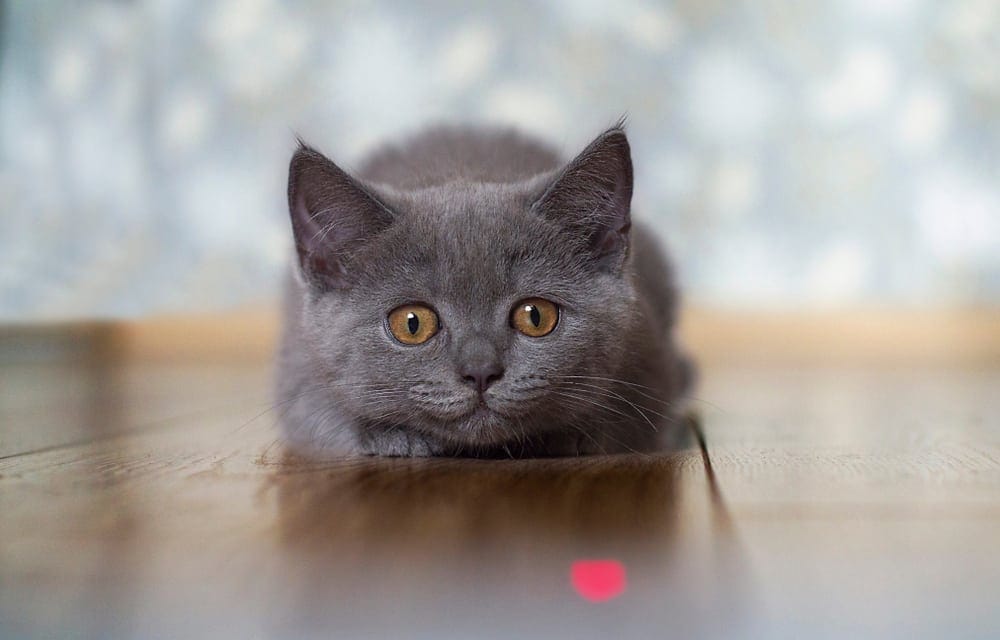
398	442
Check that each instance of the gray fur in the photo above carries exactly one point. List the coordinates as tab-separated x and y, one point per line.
469	222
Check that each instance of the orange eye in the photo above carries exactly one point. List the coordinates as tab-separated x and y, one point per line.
413	323
535	317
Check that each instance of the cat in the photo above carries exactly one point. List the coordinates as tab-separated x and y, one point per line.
468	293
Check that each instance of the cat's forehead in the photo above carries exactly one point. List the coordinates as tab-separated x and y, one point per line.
479	240
474	221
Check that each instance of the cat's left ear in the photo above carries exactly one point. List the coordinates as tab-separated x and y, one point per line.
332	215
592	196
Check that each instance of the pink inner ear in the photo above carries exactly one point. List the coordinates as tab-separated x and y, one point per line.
610	242
613	240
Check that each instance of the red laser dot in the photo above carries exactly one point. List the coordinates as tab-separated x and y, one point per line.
597	580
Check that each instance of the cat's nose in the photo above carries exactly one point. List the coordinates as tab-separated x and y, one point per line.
480	376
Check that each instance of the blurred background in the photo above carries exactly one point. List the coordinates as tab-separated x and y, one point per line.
794	155
825	172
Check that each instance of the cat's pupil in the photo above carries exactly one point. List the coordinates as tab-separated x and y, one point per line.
412	323
535	315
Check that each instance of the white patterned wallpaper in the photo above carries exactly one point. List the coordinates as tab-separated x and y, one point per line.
792	154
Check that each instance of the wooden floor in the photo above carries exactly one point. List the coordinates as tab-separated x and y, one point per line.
149	498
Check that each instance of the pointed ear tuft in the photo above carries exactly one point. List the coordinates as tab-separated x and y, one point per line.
331	215
592	196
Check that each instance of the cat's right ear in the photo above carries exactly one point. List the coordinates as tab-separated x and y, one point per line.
332	214
592	196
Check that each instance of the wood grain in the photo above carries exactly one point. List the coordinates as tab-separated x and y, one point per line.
149	497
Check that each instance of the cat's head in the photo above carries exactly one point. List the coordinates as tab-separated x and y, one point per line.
462	310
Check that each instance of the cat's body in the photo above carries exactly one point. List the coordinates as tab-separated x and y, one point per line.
469	225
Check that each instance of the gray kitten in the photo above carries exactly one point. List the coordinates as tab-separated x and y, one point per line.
468	293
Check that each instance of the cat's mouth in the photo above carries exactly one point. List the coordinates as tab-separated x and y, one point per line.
483	417
477	418
482	410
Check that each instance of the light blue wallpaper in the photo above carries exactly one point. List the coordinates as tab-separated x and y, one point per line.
792	154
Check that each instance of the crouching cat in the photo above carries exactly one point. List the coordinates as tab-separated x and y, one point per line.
468	293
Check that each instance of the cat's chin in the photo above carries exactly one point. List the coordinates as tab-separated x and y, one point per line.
484	425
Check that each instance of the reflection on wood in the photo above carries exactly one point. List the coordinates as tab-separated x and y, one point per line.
486	539
600	506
